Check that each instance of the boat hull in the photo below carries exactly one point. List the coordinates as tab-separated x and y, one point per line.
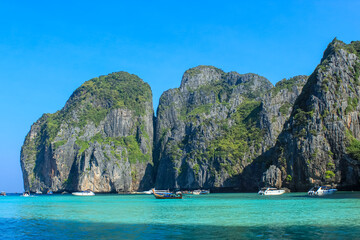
271	192
83	194
166	195
157	191
322	192
200	192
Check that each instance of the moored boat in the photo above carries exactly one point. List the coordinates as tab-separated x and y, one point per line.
38	192
271	191
321	191
84	193
2	193
26	194
200	192
148	192
186	192
157	191
166	195
196	192
49	192
205	192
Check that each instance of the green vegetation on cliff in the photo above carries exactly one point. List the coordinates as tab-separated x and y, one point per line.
287	84
239	140
284	109
96	97
235	142
116	90
197	70
353	146
129	143
353	47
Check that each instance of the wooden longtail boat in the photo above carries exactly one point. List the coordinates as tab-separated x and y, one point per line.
167	195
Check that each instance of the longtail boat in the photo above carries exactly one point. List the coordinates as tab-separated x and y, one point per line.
166	195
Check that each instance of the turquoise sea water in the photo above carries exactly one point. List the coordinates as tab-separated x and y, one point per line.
214	216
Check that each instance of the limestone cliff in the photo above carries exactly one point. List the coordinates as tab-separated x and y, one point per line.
101	140
209	129
277	105
218	130
320	141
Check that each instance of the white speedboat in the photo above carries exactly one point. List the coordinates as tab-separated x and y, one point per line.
26	194
271	191
321	191
84	193
38	192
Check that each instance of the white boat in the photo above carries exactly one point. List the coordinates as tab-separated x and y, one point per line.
26	194
200	192
38	192
321	191
271	191
196	192
148	192
157	191
84	193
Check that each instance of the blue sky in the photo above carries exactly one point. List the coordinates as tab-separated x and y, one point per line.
49	48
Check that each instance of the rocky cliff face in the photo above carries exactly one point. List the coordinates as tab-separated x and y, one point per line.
277	105
217	130
101	140
215	124
319	143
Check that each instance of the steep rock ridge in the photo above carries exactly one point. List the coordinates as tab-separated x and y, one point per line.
208	130
101	140
320	141
277	106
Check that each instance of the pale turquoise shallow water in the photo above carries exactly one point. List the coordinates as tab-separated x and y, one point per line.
214	216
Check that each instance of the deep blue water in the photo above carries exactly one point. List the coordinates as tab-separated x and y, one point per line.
214	216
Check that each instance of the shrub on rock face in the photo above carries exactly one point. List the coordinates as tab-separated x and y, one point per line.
288	178
329	174
353	148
